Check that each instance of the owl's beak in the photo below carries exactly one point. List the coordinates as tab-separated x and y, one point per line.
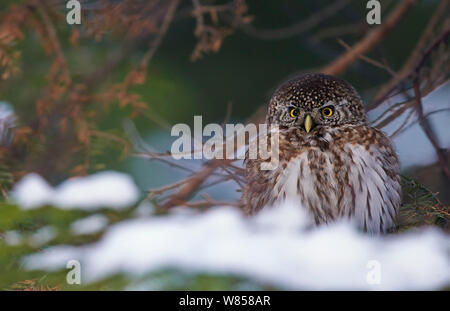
308	123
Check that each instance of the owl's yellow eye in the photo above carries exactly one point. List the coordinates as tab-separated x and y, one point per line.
293	112
327	112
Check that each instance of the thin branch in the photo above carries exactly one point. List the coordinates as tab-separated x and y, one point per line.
336	31
387	111
51	31
410	64
395	114
156	191
429	131
163	157
370	40
368	59
198	16
403	125
232	176
209	202
162	32
298	28
193	183
425	116
415	71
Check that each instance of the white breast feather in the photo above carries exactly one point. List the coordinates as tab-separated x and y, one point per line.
378	189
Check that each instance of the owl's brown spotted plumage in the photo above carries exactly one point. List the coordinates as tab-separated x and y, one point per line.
330	160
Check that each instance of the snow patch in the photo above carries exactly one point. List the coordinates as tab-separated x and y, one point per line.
106	189
13	238
89	225
42	236
8	120
266	248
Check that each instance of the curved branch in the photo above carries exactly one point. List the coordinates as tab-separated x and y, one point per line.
370	40
408	66
298	28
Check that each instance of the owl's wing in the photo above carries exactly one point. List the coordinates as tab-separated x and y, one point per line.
373	193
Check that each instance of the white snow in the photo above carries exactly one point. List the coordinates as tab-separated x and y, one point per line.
7	123
89	225
12	238
274	247
105	189
32	191
144	209
42	236
37	239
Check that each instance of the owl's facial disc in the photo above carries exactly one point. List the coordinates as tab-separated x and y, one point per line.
312	101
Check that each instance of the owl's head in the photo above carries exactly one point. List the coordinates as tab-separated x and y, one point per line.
312	101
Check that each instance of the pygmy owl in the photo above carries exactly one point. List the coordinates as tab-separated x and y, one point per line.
330	160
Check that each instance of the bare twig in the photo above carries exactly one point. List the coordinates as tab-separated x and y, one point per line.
162	32
410	64
232	175
413	74
198	16
298	28
193	183
369	60
339	65
208	202
51	33
415	121
156	191
335	31
408	104
162	157
403	125
389	110
429	131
